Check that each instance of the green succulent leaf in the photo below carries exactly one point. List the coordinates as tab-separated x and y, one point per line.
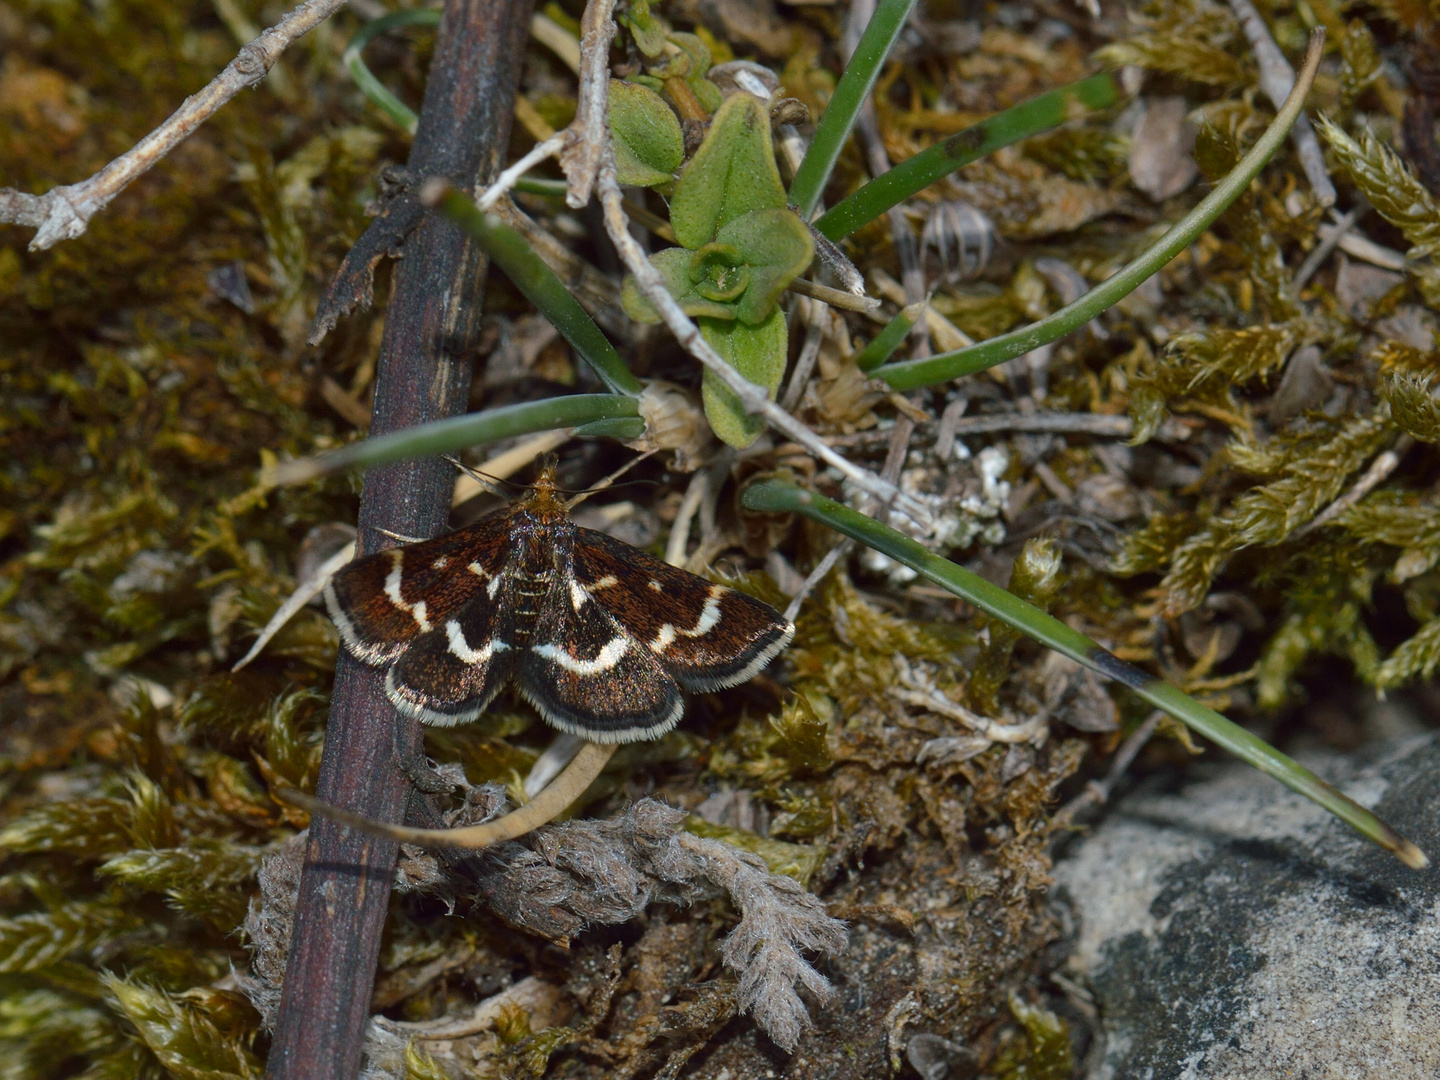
732	174
740	274
674	266
777	247
644	27
718	272
649	145
758	352
692	64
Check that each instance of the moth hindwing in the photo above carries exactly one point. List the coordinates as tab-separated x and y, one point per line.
599	636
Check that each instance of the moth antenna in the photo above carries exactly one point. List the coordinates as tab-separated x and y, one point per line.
489	483
554	798
399	538
603	484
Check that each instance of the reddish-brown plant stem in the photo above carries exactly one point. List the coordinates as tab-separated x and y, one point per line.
423	374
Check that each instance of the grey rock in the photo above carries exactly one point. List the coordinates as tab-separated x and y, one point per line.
936	1058
1236	930
1162	155
1306	384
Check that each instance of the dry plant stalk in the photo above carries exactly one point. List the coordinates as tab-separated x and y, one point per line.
1276	79
587	138
552	801
63	213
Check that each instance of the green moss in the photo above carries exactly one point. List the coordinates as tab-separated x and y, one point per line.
1045	1052
183	1039
798	861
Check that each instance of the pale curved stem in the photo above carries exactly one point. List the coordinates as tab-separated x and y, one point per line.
551	147
562	791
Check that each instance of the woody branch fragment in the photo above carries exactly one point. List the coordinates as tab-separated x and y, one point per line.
63	213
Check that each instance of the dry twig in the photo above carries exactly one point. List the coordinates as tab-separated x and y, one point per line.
1097	424
1373	477
588	137
63	213
507	179
1098	792
1276	79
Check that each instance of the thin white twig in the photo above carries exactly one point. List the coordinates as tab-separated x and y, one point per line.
306	591
1098	424
1098	792
949	424
917	689
1277	77
63	213
809	353
680	531
849	301
530	994
1328	242
1379	469
507	179
710	533
825	565
753	398
588	136
1359	246
899	446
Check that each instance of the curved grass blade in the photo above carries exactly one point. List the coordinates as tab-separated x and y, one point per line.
354	61
365	79
855	86
776	497
624	428
1041	113
911	374
513	254
458	432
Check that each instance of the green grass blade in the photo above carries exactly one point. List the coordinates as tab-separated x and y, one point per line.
513	254
1029	118
354	61
775	497
889	338
624	428
911	374
541	185
458	432
369	85
855	86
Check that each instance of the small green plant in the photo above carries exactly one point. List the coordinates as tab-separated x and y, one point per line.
739	250
649	145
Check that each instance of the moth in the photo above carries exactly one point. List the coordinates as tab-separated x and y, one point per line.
599	636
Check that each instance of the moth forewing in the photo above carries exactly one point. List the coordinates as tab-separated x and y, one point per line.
706	636
599	636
